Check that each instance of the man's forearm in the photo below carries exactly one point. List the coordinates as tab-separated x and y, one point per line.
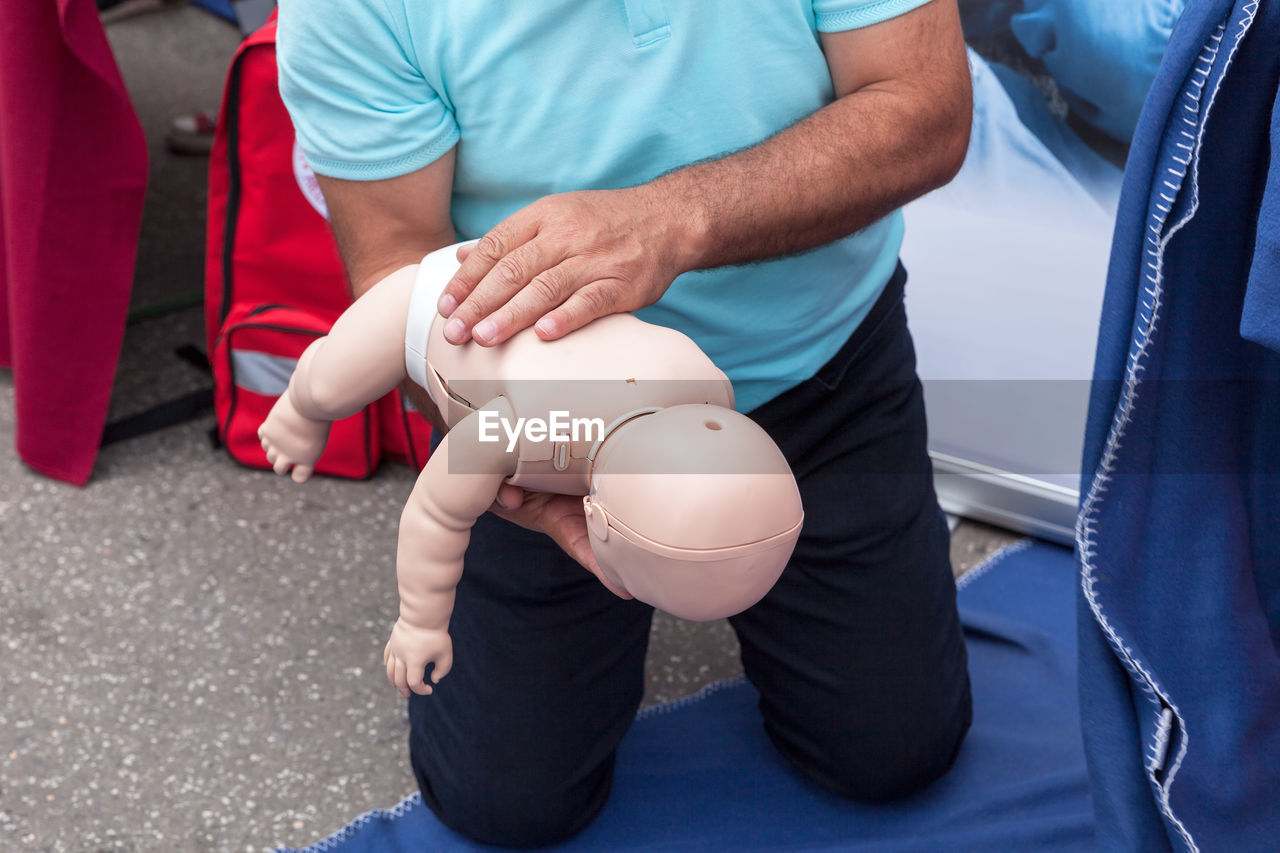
381	226
899	126
835	172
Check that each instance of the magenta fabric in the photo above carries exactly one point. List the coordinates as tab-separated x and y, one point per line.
73	173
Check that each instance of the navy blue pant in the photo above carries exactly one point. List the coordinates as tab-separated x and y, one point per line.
857	651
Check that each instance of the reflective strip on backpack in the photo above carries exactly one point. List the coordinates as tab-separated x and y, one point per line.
262	373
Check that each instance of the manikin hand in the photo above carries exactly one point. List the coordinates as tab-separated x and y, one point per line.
560	517
292	440
409	651
562	262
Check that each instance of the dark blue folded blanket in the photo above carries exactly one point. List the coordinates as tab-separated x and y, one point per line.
700	774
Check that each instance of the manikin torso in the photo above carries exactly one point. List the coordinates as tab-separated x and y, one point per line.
615	367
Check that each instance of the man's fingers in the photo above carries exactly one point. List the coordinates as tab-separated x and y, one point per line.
465	250
609	585
545	291
570	532
560	517
509	497
482	255
567	526
579	547
479	260
448	302
526	267
584	305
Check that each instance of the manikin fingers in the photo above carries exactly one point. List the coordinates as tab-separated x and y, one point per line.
414	675
402	678
417	681
301	473
443	664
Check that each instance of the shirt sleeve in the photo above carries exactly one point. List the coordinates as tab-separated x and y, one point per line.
834	16
360	107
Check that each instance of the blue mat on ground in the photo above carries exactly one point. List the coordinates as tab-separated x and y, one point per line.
700	774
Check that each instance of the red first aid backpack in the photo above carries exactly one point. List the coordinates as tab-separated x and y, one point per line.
273	278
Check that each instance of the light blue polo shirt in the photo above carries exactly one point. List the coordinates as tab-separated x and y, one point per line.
548	96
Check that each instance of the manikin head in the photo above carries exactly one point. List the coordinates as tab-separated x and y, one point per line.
692	509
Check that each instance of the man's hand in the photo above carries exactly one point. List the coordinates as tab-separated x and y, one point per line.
562	262
560	517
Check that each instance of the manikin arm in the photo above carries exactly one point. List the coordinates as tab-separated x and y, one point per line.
456	487
359	361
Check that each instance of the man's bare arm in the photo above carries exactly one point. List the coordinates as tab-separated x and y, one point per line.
899	127
382	226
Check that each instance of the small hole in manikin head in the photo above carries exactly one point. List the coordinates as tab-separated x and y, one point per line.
714	425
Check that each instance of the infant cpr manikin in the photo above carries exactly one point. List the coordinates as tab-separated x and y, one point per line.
689	505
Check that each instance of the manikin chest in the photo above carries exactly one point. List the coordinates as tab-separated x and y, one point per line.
567	395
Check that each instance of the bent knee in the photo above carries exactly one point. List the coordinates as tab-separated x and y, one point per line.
514	824
506	814
879	782
875	764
